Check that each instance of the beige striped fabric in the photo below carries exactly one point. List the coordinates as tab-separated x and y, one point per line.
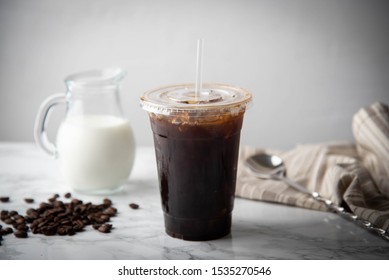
353	175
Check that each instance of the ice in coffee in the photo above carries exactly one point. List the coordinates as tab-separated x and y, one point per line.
196	138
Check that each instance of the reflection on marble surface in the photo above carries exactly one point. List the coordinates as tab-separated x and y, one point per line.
259	230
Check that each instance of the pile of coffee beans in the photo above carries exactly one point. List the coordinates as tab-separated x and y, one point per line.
56	217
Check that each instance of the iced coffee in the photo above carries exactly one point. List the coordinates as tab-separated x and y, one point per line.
196	139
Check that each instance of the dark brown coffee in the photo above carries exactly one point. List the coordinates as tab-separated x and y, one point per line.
197	164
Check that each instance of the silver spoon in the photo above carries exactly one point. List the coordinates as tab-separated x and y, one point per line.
267	166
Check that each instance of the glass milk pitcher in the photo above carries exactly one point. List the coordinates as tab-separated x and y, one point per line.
95	144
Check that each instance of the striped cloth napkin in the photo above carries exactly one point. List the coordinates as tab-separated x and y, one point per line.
354	176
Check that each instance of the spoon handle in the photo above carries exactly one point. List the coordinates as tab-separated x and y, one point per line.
337	209
352	217
294	184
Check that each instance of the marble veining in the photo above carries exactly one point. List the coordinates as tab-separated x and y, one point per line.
260	230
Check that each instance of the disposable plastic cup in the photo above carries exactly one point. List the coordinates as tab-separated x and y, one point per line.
196	139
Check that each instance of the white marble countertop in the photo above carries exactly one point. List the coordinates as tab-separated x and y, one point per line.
259	230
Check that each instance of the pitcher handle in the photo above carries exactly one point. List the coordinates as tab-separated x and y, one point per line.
42	117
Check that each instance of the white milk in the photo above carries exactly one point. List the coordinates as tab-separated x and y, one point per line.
96	152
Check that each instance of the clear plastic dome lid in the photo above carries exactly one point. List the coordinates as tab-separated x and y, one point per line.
214	99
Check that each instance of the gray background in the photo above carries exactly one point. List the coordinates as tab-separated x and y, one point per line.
310	64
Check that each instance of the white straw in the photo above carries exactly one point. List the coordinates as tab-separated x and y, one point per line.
199	67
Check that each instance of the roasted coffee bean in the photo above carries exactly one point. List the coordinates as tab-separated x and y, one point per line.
53	198
43	223
96	226
9	221
65	230
59	204
29	200
134	205
5	217
20	234
22	227
28	219
4	214
13	213
49	231
78	225
20	221
4	198
81	208
105	228
61	231
68	195
32	212
107	202
104	217
96	218
76	201
6	231
43	206
19	218
111	211
88	205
